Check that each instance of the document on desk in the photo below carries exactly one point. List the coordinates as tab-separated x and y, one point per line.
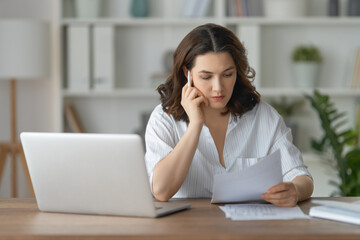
246	212
249	184
337	211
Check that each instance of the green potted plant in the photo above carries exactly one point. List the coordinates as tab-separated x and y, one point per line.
306	65
341	143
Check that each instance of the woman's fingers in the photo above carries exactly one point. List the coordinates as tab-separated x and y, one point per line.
199	100
191	100
283	195
279	195
279	187
288	201
193	93
189	92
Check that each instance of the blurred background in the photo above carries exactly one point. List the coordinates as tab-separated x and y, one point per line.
105	58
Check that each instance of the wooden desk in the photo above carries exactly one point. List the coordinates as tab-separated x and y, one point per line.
21	219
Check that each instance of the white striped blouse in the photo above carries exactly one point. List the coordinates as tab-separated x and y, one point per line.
249	138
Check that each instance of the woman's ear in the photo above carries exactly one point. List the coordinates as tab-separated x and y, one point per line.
185	70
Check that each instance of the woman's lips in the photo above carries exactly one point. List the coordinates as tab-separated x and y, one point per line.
218	98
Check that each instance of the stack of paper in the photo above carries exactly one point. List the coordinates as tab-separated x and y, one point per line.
249	184
246	212
338	211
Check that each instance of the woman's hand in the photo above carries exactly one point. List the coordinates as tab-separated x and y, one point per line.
193	101
283	195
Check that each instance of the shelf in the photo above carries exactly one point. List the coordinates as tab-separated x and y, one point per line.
138	21
331	21
153	21
118	93
265	92
292	92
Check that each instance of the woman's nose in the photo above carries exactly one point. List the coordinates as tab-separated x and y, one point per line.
217	86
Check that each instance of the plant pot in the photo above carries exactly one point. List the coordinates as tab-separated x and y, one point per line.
306	74
139	8
285	8
88	8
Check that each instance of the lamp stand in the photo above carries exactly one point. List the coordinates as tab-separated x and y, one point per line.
13	148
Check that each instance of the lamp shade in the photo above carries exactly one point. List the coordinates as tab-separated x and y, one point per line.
24	49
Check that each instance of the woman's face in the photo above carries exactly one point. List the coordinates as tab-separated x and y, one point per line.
214	74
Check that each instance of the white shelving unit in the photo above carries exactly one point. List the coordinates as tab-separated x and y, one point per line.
265	92
140	44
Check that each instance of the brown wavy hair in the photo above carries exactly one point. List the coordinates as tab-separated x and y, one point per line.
201	40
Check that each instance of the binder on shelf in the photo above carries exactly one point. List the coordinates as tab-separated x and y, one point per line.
103	58
196	8
203	8
189	8
78	58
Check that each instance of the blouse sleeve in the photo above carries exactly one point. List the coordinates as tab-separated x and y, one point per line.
291	158
159	139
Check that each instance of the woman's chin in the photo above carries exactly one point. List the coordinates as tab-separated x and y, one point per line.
217	106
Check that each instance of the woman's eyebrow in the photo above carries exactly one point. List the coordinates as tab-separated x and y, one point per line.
204	71
208	72
229	68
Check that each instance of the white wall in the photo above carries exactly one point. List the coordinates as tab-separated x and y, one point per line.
35	99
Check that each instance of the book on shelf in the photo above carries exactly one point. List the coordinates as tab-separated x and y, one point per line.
337	211
355	71
256	8
231	9
72	119
235	8
103	58
78	58
245	8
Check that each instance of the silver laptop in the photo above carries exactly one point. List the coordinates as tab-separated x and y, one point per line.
92	174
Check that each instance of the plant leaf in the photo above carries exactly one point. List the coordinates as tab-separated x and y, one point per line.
347	166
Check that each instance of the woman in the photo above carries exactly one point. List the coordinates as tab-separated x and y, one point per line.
217	124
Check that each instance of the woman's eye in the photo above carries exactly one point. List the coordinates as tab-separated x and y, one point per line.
205	77
228	74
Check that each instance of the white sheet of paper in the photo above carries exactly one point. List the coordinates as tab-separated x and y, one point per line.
246	212
249	184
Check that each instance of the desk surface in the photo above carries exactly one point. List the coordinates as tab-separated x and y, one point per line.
21	219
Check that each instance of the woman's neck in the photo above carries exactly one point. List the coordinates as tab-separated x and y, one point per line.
213	116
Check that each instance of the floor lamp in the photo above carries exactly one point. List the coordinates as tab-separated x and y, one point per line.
24	50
